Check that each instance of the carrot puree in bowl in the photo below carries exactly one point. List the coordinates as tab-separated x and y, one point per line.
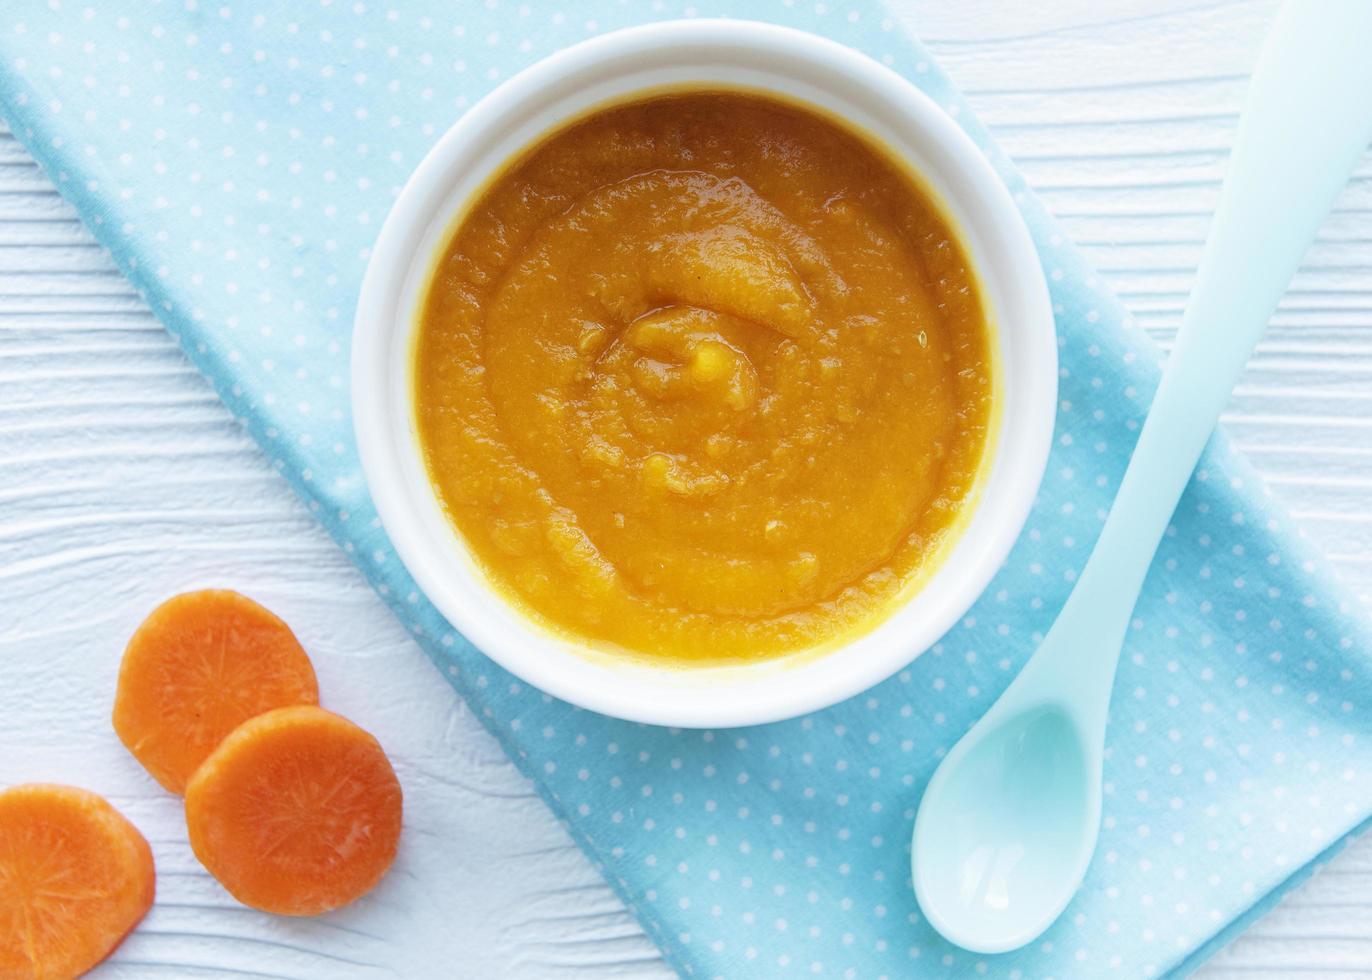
704	377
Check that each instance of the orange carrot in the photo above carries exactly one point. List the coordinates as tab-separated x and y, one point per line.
296	812
75	878
201	664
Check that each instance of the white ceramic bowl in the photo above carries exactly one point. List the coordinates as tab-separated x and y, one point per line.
617	67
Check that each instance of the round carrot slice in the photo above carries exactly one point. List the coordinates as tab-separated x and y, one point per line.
199	666
297	812
75	878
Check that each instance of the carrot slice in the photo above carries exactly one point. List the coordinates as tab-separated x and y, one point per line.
75	878
199	666
297	812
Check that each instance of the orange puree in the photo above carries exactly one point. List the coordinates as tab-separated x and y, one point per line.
704	377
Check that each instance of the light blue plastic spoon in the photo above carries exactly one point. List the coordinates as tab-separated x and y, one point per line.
1009	821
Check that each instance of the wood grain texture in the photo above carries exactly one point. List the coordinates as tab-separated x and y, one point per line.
122	480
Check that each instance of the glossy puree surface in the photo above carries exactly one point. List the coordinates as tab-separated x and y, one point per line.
704	378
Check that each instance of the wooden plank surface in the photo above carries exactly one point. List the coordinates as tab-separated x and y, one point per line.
122	480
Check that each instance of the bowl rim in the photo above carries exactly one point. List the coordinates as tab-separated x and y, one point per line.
685	696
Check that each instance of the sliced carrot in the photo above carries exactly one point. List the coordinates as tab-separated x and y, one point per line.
75	878
200	665
297	812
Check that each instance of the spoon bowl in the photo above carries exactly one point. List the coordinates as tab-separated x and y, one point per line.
1011	829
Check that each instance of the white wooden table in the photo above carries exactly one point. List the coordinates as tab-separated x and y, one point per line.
122	480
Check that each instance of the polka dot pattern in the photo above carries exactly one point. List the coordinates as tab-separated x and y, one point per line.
237	160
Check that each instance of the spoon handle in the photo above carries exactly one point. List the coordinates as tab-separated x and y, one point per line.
1306	121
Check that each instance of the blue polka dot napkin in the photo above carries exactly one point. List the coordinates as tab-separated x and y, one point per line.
238	158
